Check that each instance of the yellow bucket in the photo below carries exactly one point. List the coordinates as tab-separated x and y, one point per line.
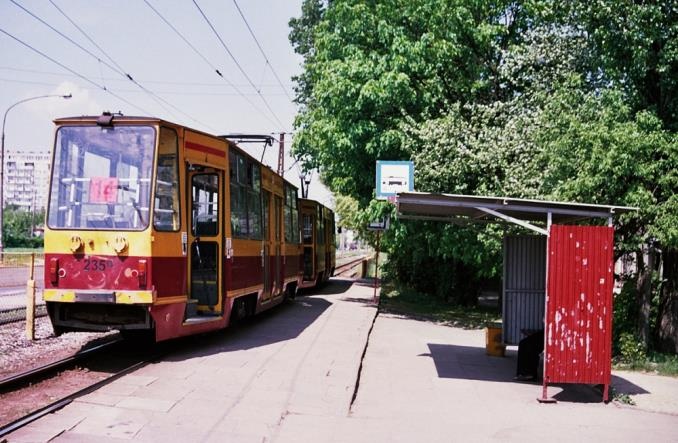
493	343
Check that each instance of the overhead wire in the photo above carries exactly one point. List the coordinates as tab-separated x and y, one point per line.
116	79
176	31
158	99
235	60
118	69
132	91
77	74
261	50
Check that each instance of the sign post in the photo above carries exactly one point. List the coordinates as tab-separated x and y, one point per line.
377	226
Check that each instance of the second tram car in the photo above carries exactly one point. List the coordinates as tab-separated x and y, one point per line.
318	242
155	226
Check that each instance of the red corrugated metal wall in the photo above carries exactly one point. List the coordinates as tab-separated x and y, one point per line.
578	323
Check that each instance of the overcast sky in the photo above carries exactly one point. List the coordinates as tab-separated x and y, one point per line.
174	81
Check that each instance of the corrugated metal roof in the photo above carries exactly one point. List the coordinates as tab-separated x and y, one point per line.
457	208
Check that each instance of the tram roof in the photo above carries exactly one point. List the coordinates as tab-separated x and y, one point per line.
464	209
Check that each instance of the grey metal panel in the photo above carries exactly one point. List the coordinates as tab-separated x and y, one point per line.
523	283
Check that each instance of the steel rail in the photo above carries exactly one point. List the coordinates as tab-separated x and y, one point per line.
349	265
23	421
33	373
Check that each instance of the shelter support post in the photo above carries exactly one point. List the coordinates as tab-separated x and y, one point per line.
544	393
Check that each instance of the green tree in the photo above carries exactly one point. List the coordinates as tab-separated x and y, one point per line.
18	228
377	65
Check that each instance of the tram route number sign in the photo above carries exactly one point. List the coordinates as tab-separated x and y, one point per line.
394	177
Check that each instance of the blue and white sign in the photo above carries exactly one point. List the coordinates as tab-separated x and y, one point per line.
394	177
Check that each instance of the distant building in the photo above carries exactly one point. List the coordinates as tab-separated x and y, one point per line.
26	179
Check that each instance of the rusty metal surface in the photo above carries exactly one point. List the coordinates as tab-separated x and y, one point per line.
579	308
524	281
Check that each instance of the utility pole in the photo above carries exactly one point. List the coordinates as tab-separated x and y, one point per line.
281	155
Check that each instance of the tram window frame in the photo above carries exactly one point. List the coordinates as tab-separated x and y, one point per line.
101	178
246	205
173	195
205	198
320	226
291	215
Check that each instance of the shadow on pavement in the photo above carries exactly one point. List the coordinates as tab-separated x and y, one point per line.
471	363
284	322
623	386
333	287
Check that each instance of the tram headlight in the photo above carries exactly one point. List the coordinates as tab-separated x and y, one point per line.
120	244
76	243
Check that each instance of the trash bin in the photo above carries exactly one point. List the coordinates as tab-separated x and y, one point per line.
494	345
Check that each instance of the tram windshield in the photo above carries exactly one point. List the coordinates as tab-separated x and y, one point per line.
101	178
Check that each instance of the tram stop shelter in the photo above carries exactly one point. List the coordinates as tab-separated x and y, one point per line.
559	280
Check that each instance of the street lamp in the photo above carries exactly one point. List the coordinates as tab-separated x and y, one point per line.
2	156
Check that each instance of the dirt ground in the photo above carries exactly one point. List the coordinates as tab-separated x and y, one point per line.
18	355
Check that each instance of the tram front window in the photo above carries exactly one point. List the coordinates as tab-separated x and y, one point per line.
101	178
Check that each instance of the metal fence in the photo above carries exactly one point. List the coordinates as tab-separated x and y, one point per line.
16	269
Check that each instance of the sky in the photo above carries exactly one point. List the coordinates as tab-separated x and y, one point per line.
174	73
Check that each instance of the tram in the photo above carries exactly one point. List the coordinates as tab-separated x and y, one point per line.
153	226
319	248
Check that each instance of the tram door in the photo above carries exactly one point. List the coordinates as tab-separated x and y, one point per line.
278	226
309	252
271	259
204	238
266	249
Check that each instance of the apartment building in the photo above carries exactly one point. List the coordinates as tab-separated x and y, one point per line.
26	179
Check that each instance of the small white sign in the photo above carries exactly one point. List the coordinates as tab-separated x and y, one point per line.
394	177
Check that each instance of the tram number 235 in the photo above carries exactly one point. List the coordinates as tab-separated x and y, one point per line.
92	264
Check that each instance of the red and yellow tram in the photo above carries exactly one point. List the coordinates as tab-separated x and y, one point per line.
319	247
154	226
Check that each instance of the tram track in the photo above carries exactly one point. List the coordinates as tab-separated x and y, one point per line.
67	379
349	265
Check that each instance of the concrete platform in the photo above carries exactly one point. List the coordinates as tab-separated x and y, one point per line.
290	376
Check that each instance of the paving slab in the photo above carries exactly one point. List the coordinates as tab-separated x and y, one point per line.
291	375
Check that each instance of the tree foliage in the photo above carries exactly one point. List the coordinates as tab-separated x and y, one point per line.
570	101
18	227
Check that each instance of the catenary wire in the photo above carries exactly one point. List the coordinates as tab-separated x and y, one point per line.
159	82
158	99
176	31
223	44
87	51
261	49
77	74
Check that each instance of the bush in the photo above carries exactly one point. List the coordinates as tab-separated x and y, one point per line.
632	350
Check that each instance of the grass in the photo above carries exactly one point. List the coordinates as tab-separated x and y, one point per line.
20	257
655	362
409	303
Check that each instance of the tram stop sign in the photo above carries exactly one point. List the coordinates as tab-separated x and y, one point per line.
394	177
378	225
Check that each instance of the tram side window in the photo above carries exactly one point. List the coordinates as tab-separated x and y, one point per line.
295	217
254	201
245	178
290	204
308	229
321	226
205	212
166	209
